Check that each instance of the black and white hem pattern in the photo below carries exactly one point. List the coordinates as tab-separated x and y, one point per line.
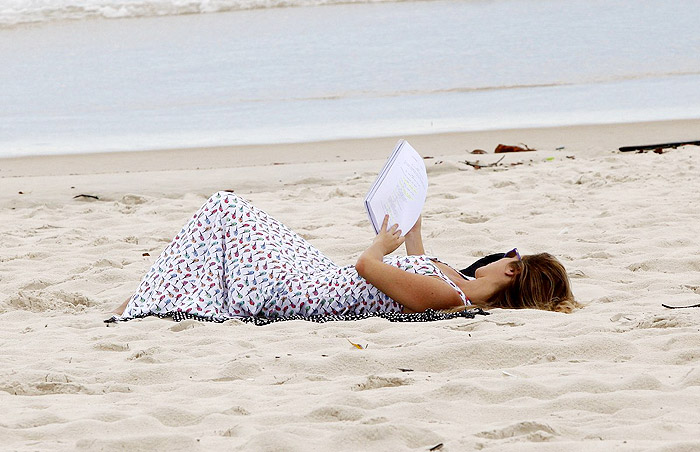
429	315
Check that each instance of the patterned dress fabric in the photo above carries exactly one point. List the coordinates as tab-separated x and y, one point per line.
232	260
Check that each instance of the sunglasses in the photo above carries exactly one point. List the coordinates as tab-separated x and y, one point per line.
513	253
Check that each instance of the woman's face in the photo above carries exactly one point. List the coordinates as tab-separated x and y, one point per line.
498	271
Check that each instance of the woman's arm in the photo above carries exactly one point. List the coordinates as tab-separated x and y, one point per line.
415	292
414	240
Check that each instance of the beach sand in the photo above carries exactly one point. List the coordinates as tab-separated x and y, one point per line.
623	373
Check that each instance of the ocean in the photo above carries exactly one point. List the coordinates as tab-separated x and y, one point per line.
114	75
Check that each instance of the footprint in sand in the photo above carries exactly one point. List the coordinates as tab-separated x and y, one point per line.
173	416
527	430
666	265
504	184
238	370
441	167
313	181
473	219
236	410
132	200
29	256
42	301
37	284
50	386
110	347
376	382
230	432
339	193
107	263
145	356
185	325
665	321
161	441
335	414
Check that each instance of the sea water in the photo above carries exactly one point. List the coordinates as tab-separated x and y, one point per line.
108	75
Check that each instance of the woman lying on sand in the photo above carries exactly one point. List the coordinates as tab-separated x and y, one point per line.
234	260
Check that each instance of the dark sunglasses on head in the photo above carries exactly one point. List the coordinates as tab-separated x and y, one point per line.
513	253
471	270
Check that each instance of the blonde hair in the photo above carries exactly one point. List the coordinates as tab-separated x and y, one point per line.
540	282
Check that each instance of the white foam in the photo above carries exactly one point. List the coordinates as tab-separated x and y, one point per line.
15	12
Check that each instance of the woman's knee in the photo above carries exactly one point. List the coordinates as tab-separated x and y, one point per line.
223	196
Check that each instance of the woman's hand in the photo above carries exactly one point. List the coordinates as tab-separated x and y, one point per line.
386	241
416	229
414	241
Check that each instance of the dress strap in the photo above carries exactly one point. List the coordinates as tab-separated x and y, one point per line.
444	277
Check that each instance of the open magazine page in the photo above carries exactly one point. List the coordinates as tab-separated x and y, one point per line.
399	190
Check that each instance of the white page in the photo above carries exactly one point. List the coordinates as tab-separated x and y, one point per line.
399	190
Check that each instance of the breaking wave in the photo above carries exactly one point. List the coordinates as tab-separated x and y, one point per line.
16	12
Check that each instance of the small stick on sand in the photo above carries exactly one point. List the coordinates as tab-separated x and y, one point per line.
478	165
680	306
653	147
85	196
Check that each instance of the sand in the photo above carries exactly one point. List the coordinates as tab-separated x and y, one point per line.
623	373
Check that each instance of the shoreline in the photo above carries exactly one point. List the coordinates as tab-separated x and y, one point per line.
574	138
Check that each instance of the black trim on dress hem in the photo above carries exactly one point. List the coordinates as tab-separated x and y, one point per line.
429	315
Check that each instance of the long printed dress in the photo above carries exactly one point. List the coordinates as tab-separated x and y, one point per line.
234	260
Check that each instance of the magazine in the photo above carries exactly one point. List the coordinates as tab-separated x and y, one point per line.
399	190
